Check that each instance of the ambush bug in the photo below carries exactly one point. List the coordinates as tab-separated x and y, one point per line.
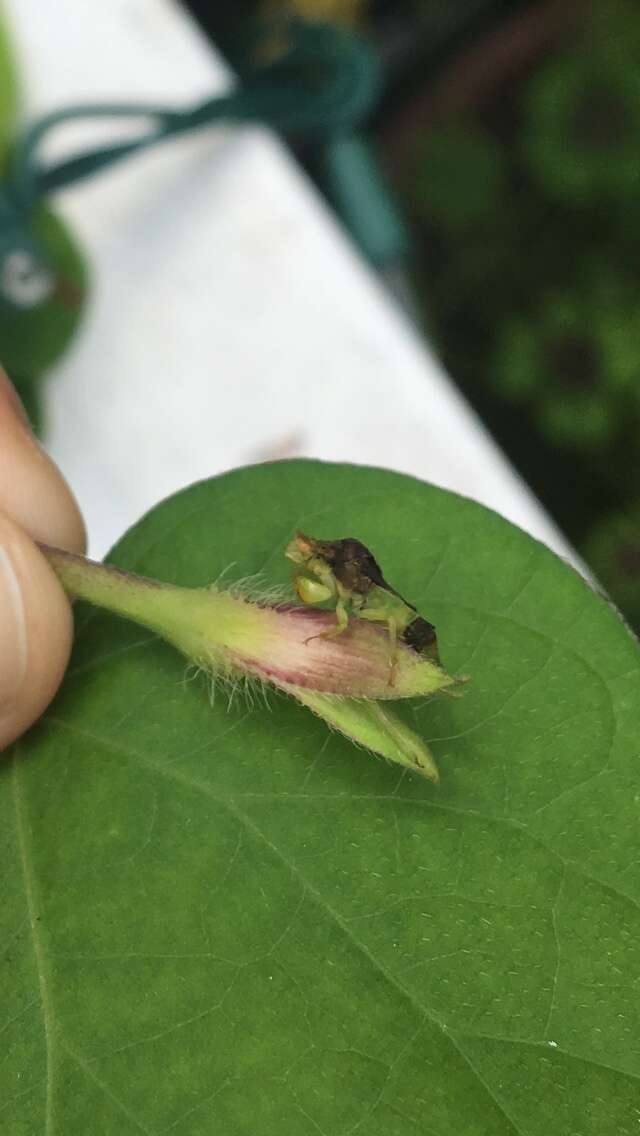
346	571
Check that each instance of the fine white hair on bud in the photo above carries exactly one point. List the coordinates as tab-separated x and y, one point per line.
342	678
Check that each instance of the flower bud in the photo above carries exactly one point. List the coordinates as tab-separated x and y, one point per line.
339	677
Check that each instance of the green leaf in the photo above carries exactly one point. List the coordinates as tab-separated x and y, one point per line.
229	921
32	339
8	88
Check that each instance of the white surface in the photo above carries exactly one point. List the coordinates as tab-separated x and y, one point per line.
230	319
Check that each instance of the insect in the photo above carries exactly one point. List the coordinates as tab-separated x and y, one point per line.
345	570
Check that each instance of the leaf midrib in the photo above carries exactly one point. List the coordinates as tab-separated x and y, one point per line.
230	803
38	947
231	806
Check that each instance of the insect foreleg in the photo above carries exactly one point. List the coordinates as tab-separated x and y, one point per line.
342	622
312	591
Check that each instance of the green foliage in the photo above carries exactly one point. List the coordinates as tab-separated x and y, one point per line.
8	89
31	339
575	362
532	298
458	177
613	550
582	121
225	921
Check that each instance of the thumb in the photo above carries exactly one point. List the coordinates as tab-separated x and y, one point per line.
35	617
35	632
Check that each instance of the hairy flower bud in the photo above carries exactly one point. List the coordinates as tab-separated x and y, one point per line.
339	677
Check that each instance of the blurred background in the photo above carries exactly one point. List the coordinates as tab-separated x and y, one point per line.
510	133
493	184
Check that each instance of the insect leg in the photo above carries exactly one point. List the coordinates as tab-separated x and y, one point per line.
381	615
312	591
342	622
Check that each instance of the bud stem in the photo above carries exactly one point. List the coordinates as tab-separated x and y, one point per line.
229	635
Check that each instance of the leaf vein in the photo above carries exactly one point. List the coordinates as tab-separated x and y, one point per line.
364	950
91	1075
38	949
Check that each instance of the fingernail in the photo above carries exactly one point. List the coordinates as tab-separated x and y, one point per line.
13	633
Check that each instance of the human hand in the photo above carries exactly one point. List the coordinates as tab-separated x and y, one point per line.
35	616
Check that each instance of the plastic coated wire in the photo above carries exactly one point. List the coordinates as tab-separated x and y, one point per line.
325	83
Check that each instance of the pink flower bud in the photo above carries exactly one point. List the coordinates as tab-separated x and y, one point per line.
340	677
